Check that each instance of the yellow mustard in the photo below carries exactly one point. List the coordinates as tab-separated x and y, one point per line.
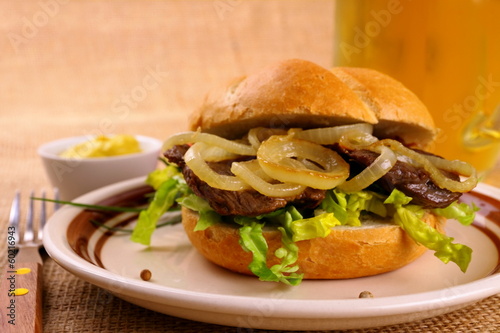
104	146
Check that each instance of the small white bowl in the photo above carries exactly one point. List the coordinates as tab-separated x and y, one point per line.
74	177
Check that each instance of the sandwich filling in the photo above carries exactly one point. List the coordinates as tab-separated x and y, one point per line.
305	182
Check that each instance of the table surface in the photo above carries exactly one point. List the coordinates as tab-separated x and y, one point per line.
80	68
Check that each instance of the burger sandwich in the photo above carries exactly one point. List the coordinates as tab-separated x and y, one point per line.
300	172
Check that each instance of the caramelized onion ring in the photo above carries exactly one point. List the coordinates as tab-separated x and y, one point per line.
278	158
256	135
382	164
424	161
216	154
253	175
331	135
210	139
195	160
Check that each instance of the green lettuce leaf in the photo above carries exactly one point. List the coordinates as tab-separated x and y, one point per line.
252	240
461	212
207	216
347	207
314	227
164	198
408	217
289	254
335	204
157	177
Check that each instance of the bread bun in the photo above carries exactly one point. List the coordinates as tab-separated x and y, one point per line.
399	111
347	252
298	93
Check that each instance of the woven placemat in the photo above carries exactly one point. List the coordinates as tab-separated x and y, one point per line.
73	305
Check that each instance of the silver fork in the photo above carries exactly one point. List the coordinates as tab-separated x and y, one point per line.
23	274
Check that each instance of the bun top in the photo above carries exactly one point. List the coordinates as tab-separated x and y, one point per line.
298	93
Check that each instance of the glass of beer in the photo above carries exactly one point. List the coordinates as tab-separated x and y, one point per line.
445	51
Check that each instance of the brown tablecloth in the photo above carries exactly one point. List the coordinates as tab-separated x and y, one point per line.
78	68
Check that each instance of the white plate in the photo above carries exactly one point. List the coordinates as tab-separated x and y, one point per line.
183	284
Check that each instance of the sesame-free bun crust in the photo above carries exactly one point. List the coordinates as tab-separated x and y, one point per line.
299	93
399	111
347	252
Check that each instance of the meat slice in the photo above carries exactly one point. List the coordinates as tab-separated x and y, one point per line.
176	154
245	203
413	181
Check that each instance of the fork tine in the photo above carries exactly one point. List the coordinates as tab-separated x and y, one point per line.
42	219
56	197
15	209
28	231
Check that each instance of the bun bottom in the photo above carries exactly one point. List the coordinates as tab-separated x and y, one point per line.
347	252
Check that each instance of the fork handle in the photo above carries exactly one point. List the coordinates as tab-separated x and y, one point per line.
21	313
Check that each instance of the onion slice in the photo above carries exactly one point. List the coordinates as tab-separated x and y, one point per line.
280	156
195	160
217	154
259	134
249	172
382	164
331	135
210	139
457	166
427	162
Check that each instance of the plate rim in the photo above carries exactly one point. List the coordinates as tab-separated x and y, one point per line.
241	305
